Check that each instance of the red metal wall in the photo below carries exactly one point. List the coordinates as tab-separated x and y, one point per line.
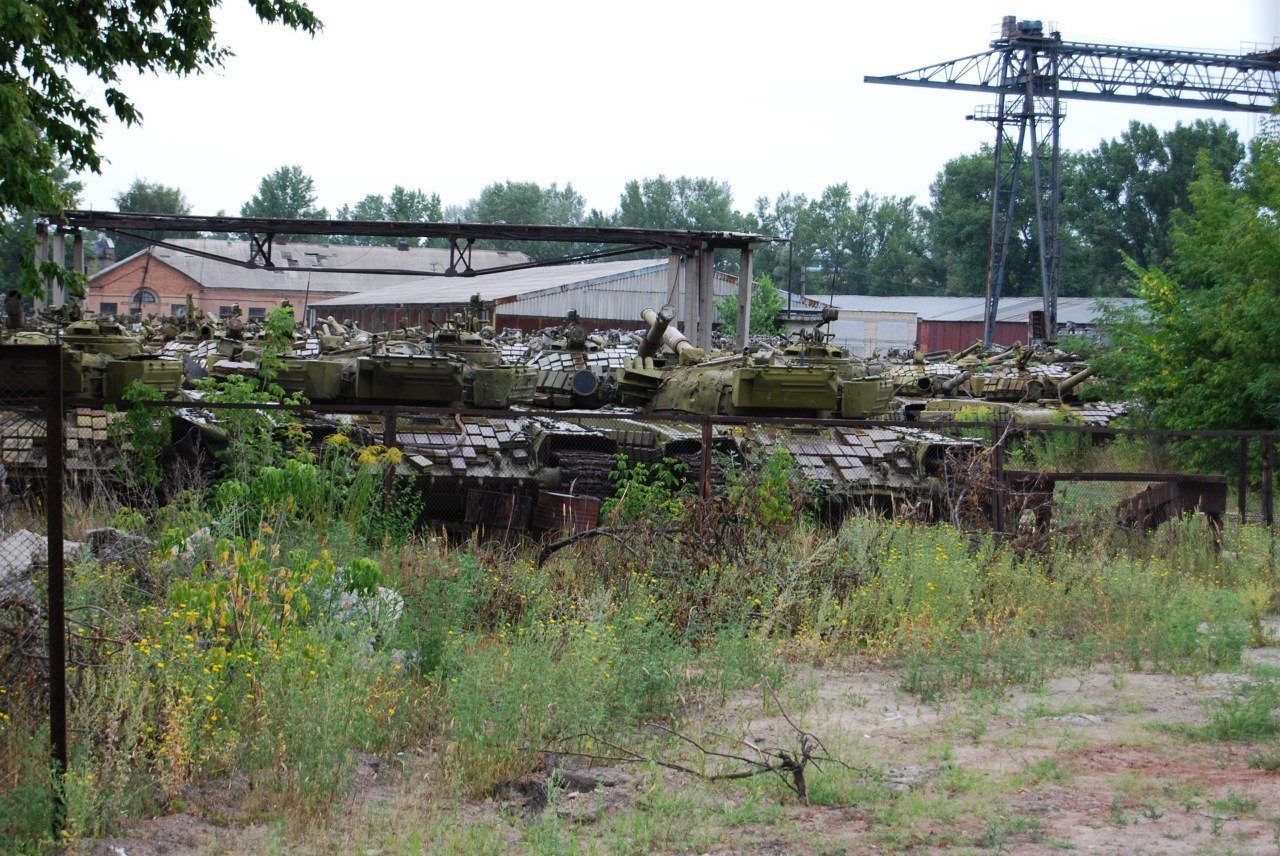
958	335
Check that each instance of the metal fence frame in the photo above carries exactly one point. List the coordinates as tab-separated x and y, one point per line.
55	408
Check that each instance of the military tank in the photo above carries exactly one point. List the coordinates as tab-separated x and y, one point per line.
489	379
847	464
100	359
1032	386
809	378
576	370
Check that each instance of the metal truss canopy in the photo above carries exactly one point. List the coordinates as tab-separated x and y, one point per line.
458	234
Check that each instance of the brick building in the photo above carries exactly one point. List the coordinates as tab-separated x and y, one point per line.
158	280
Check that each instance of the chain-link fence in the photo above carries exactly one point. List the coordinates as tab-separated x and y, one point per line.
512	471
32	659
513	474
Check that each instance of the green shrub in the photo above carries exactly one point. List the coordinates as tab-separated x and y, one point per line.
645	491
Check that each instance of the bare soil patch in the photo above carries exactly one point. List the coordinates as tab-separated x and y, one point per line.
1090	762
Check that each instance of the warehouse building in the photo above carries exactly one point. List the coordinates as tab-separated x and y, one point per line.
868	324
606	295
216	275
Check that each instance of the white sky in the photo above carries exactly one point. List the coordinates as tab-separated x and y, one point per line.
449	97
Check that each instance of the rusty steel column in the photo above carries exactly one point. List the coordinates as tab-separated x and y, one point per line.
705	475
997	479
389	441
1268	475
54	484
1242	479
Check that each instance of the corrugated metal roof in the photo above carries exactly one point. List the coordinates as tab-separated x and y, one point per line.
1078	310
325	265
500	287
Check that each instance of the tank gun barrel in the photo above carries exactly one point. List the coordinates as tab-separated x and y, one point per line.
1075	380
658	323
671	337
954	383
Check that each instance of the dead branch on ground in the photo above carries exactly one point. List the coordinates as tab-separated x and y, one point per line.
789	765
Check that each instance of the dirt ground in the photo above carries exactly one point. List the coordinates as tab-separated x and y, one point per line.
1082	764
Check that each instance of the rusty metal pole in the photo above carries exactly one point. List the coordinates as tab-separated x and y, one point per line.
389	441
1268	451
997	479
705	475
54	484
1242	485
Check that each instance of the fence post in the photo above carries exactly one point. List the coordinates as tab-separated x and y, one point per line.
1268	448
705	475
389	430
1242	487
997	478
55	445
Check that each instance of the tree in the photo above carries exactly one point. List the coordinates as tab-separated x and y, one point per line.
524	202
1204	349
685	203
48	45
766	303
143	197
959	227
288	193
1121	196
15	243
863	245
403	206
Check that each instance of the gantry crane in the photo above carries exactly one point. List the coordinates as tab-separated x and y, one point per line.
1030	73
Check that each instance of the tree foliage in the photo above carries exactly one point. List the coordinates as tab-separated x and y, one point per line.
16	238
682	203
286	193
403	206
144	197
866	244
526	202
1121	196
1204	349
766	303
47	124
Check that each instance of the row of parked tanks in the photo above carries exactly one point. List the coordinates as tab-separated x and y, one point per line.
640	394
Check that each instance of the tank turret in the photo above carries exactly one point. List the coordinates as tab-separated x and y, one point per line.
575	370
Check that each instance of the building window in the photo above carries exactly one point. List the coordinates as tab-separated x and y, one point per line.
224	311
106	309
257	313
178	310
144	297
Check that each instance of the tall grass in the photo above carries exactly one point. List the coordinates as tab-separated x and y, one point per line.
288	639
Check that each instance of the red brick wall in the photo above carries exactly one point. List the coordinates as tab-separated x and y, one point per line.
171	288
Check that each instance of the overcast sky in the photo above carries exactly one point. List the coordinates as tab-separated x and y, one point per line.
766	96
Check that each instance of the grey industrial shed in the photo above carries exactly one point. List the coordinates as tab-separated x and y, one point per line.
604	294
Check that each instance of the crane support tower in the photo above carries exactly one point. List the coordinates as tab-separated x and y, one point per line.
1030	72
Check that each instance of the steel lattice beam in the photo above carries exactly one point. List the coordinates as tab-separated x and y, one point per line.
1029	73
1115	73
